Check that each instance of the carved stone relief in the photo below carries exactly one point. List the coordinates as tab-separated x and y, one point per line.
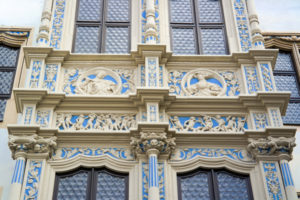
99	81
93	121
208	123
201	82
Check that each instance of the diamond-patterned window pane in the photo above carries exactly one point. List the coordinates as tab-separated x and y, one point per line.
118	10
287	83
6	79
8	56
181	11
209	11
110	187
284	62
184	41
195	187
2	108
73	187
87	39
116	40
89	10
232	187
213	41
292	115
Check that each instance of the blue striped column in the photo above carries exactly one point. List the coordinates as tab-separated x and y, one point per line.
288	180
17	179
153	193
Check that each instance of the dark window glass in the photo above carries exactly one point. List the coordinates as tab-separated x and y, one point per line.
102	26
213	185
8	63
286	79
91	184
197	27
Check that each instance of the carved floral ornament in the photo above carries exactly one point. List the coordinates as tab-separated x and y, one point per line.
271	145
32	144
152	140
99	81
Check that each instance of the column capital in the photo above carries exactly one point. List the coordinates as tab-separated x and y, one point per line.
271	146
153	142
24	144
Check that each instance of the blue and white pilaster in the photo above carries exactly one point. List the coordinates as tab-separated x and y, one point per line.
152	72
288	180
17	179
153	191
153	112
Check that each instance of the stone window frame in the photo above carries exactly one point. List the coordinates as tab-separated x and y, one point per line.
9	69
102	25
196	25
91	181
212	181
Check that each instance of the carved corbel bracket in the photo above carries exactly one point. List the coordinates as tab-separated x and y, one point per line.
271	146
149	141
32	144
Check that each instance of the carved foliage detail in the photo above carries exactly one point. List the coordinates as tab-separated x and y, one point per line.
50	77
272	181
260	120
252	79
68	153
190	153
207	123
57	26
43	118
33	180
35	74
267	77
92	121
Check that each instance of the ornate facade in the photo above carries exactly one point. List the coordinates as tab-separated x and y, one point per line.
151	99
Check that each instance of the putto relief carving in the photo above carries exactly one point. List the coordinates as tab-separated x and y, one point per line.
208	123
93	121
203	82
99	81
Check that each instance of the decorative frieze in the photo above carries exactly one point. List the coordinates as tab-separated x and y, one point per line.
95	121
267	77
57	24
203	82
71	152
208	123
35	73
272	180
252	79
50	77
99	81
161	180
190	153
33	180
241	18
271	145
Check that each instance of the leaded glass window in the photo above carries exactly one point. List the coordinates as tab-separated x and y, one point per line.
286	79
8	63
213	185
197	27
91	184
102	26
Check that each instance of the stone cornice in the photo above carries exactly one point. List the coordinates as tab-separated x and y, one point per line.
14	36
131	102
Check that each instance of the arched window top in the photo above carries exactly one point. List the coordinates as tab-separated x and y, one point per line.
213	185
93	183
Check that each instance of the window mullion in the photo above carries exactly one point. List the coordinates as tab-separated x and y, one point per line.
215	186
197	28
103	26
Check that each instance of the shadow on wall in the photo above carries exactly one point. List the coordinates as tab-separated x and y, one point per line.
6	165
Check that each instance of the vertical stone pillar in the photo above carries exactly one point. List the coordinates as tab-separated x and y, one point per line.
43	36
18	176
153	190
257	38
288	180
151	30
